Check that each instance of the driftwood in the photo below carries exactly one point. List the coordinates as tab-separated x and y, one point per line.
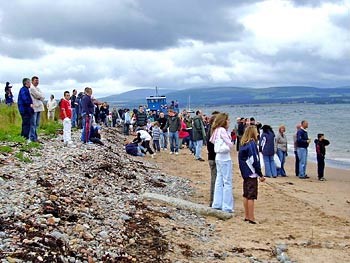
187	205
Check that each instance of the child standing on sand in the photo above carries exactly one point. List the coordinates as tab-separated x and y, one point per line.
249	164
320	145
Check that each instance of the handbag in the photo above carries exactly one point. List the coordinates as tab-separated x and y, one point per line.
220	146
277	160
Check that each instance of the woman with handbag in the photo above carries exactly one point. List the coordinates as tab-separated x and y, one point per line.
223	197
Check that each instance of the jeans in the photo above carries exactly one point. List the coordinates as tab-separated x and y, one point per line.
198	148
126	128
282	156
85	133
34	124
223	197
302	154
26	125
74	118
156	145
270	167
174	141
163	140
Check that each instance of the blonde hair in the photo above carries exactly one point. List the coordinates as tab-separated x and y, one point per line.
220	121
282	127
250	133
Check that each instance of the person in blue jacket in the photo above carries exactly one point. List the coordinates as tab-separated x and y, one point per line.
25	107
268	148
249	165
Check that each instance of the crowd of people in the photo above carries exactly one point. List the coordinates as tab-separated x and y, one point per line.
257	145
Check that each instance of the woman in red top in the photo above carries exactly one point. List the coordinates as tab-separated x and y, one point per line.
183	133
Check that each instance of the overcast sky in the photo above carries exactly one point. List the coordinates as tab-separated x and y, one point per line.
118	45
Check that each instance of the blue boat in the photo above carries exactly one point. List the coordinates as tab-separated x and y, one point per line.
157	103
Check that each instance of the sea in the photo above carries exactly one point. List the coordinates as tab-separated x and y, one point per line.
331	119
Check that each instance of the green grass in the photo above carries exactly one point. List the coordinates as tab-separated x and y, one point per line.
10	130
5	149
21	157
11	124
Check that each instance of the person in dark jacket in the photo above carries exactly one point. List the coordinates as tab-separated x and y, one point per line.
249	165
268	148
211	158
87	111
302	145
8	94
162	120
141	118
25	107
174	125
320	145
198	134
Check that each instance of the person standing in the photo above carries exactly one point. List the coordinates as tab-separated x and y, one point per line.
320	145
174	125
51	108
38	106
223	197
87	112
198	135
268	149
25	107
162	120
211	158
141	118
282	148
74	106
8	94
295	151
249	165
303	142
66	115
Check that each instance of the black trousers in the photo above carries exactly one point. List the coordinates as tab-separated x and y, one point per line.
147	146
25	125
320	166
296	163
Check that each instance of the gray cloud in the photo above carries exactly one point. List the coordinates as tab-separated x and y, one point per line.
20	49
313	3
121	24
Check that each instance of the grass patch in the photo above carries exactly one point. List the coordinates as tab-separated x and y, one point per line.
11	124
5	149
20	156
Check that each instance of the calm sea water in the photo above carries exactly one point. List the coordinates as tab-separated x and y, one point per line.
331	119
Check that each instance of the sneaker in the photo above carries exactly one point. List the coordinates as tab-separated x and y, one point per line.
165	149
177	153
200	159
322	179
152	155
171	152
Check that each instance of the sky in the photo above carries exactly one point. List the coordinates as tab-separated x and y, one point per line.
118	45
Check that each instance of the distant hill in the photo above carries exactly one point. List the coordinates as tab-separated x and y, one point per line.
238	95
133	95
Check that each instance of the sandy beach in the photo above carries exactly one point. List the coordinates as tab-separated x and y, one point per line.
311	217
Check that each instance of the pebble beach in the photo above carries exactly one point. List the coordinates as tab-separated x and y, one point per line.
85	204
